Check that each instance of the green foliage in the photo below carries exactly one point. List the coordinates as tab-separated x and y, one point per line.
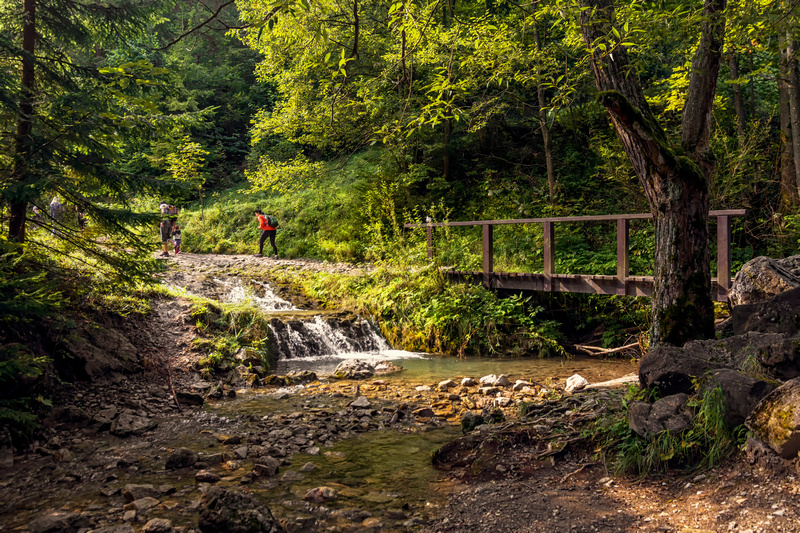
225	329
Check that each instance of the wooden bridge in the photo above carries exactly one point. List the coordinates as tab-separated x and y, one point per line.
621	284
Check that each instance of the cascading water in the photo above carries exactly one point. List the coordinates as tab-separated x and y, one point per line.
306	340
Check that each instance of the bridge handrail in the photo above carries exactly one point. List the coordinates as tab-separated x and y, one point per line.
623	261
577	218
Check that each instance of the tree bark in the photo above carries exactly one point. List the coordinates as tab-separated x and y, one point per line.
548	148
23	141
738	97
675	186
793	89
789	189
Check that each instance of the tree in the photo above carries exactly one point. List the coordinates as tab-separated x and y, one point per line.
675	185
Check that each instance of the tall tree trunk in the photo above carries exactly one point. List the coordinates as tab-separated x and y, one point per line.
675	186
24	137
789	190
793	89
738	98
548	148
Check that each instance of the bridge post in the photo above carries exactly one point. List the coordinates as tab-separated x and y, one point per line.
623	259
549	255
429	231
488	253
723	257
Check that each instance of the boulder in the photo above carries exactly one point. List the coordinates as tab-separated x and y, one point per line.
231	511
321	494
133	492
779	314
181	458
206	476
158	525
387	367
776	419
301	376
772	354
354	369
672	369
668	414
741	393
361	403
266	466
189	398
762	278
470	421
129	423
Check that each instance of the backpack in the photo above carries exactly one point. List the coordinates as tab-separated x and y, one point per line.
169	210
272	221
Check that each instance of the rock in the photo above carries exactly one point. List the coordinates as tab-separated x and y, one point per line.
301	376
776	419
248	357
229	440
354	369
502	381
321	494
157	525
575	382
266	466
779	314
424	412
104	417
291	476
446	385
189	398
741	393
133	492
488	391
489	380
128	423
67	417
206	476
181	458
361	403
468	382
308	467
230	511
121	528
666	414
423	388
759	454
762	278
59	522
470	421
63	455
387	367
521	385
672	369
142	505
241	452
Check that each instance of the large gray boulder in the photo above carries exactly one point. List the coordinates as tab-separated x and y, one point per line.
59	522
740	392
672	369
780	314
232	511
762	278
776	419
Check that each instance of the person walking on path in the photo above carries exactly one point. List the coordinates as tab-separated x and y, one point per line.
56	213
267	230
169	214
176	238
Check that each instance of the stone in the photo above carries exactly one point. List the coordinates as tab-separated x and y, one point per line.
668	413
446	385
157	525
468	382
63	455
308	467
290	476
488	391
502	381
779	314
206	476
741	393
231	511
301	376
6	449
423	388
672	369
129	423
133	492
361	403
190	398
67	417
387	367
321	494
119	528
354	369
575	382
762	278
104	417
520	385
181	458
241	452
489	380
424	412
470	421
266	466
143	504
59	522
776	419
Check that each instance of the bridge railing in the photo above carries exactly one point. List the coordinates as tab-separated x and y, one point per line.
620	284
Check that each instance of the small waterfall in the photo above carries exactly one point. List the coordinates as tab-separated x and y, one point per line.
321	337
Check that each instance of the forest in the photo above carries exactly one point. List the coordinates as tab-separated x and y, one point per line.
349	119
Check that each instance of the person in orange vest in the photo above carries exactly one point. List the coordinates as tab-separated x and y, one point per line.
268	229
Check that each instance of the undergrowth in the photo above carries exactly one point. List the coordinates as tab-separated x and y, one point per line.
706	443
